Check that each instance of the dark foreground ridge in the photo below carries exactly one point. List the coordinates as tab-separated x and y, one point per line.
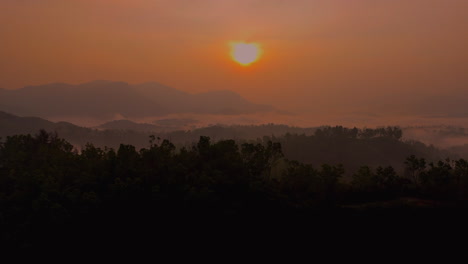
51	194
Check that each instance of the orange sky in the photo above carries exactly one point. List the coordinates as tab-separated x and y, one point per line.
316	52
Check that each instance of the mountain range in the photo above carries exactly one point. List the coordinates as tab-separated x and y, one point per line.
15	125
107	99
114	133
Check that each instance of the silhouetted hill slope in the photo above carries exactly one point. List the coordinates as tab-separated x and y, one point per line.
14	125
11	125
105	99
78	136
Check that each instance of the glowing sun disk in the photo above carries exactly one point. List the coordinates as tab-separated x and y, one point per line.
245	53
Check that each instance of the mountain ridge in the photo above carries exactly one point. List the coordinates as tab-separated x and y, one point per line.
107	99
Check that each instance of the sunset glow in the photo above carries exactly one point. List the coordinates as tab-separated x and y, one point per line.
322	51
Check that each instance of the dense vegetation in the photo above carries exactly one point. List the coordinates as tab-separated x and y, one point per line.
48	187
354	148
351	147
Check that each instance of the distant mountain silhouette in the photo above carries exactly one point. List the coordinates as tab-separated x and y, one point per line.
106	99
162	125
13	125
129	125
176	122
114	133
78	136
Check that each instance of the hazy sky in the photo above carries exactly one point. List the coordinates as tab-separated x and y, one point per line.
316	52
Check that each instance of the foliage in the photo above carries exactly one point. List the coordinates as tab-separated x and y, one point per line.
46	184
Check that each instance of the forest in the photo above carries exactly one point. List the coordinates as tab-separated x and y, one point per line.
49	190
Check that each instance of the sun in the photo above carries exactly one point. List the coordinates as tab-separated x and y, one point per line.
245	53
